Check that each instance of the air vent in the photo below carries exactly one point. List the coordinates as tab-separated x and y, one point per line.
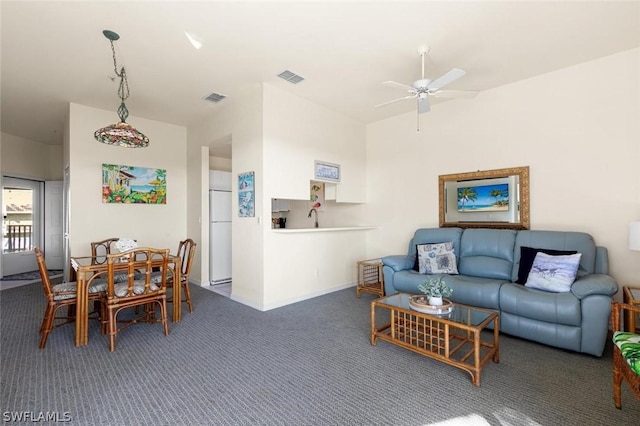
290	77
214	97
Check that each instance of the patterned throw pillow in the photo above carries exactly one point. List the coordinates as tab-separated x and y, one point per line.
553	273
436	258
629	345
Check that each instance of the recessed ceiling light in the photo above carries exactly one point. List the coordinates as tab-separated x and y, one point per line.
194	40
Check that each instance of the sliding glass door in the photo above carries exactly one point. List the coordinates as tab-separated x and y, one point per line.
21	224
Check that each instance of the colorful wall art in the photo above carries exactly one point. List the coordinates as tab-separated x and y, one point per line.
246	194
133	185
484	198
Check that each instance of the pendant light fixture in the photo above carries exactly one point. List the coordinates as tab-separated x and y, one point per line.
121	134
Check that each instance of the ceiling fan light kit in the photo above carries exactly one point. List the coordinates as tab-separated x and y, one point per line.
122	133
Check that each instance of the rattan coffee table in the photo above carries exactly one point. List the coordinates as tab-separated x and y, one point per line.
455	338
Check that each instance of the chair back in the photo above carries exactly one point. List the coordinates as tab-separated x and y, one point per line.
186	252
140	263
44	274
100	250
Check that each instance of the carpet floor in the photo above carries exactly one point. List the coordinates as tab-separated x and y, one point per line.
30	276
309	363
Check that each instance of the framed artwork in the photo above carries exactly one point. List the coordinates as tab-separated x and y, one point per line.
487	198
246	195
316	195
328	172
133	185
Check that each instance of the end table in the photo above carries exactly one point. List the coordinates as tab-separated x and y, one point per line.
370	278
631	296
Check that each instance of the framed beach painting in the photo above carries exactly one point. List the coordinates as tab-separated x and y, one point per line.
487	198
246	194
133	185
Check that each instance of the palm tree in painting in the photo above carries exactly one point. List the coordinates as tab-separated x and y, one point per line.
466	195
497	194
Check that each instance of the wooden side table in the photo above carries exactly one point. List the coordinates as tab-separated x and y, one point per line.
370	277
631	296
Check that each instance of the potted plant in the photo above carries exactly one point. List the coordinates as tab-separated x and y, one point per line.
435	289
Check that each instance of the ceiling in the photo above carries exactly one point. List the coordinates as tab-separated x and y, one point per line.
54	53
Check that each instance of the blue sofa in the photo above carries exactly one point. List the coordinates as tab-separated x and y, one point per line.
488	261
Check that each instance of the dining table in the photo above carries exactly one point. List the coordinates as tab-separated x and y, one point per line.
86	269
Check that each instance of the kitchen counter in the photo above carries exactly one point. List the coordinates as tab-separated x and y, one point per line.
334	229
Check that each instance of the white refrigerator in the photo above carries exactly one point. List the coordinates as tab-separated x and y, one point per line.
220	238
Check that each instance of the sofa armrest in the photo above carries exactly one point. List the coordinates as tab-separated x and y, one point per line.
399	262
594	284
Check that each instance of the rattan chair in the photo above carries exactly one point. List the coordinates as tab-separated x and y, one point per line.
137	290
626	352
100	250
186	252
61	296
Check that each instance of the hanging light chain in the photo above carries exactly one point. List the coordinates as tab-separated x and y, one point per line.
123	90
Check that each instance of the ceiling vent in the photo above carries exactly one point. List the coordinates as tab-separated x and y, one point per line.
290	77
214	97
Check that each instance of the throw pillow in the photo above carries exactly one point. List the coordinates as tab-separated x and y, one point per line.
528	254
438	258
553	273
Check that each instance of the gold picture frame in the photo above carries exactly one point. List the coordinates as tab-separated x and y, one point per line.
515	217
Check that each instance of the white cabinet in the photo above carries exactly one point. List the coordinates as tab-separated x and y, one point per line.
279	205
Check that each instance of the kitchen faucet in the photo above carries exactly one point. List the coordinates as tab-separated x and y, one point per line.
316	212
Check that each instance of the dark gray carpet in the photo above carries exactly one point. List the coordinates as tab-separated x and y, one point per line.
305	364
30	276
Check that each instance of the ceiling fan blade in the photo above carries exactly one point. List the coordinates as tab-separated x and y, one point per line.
396	85
423	104
396	100
455	94
445	79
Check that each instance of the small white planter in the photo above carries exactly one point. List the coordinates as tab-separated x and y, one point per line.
435	301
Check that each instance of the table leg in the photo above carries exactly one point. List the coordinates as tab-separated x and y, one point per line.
82	311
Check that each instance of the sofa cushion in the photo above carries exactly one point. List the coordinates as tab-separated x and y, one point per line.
558	308
487	253
629	345
557	240
474	291
553	273
436	258
527	256
434	235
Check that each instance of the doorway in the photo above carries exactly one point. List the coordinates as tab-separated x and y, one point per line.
21	224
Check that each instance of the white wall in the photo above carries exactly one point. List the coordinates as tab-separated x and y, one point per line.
200	138
161	226
27	158
297	132
576	128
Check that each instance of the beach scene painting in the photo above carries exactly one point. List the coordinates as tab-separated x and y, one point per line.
485	198
133	185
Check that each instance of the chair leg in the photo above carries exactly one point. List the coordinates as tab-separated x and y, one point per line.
163	318
617	382
187	295
112	330
47	325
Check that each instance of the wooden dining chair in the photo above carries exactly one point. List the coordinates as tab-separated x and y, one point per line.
626	352
137	290
100	250
186	252
61	296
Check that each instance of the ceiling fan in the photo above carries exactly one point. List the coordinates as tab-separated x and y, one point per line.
423	88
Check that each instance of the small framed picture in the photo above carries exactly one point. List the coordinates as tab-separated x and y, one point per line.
327	172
